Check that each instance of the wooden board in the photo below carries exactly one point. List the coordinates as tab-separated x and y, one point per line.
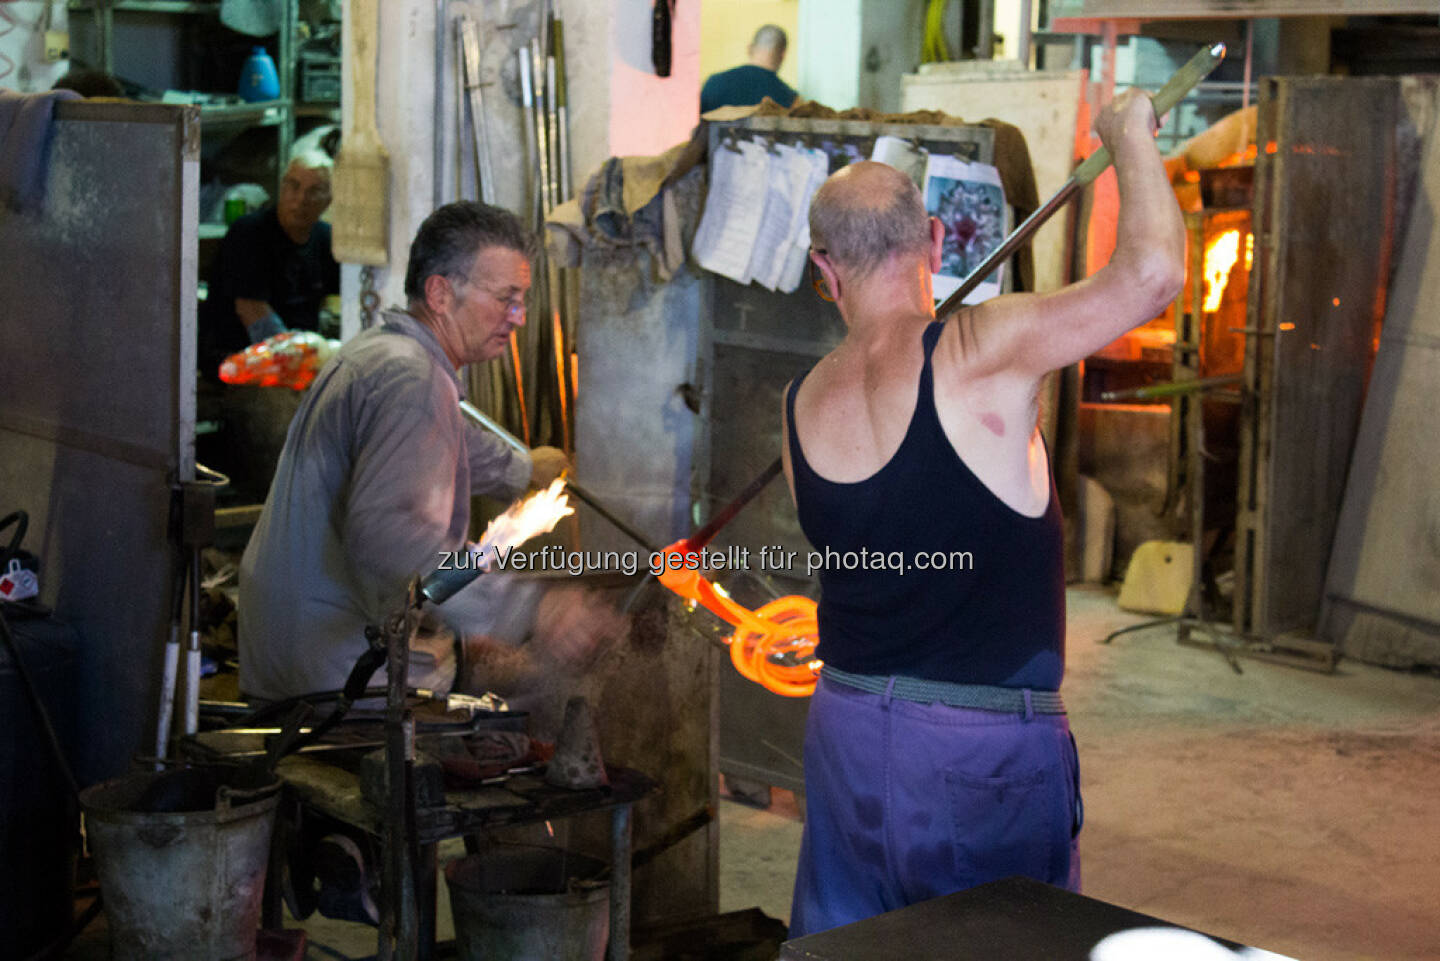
1324	218
1383	588
1043	104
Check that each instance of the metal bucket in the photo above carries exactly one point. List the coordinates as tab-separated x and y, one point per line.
181	857
518	902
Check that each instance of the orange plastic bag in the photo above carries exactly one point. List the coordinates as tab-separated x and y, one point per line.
290	359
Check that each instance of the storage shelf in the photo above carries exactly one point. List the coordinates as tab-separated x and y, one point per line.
152	6
278	113
263	114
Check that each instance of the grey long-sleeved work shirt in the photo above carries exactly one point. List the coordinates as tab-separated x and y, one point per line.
373	484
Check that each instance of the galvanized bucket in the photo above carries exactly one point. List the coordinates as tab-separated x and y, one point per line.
520	902
181	857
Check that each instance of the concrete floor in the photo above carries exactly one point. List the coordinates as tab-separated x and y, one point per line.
1280	808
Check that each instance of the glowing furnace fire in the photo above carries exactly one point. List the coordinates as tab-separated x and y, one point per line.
1220	256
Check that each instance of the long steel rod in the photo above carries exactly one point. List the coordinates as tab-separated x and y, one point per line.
484	172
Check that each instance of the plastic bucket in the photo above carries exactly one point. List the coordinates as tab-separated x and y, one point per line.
517	902
181	857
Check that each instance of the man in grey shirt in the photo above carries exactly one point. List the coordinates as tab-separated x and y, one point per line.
375	482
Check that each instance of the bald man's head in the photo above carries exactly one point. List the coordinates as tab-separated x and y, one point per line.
768	48
866	213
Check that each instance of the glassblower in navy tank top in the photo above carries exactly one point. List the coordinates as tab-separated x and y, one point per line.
937	752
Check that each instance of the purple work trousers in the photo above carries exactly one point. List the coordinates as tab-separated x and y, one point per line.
907	801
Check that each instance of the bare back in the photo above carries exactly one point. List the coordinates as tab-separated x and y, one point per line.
854	408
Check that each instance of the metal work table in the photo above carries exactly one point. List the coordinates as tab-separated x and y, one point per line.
1017	919
332	787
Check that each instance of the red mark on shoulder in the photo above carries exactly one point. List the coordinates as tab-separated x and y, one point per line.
993	424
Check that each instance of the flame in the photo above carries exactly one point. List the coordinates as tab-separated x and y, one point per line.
1220	256
1249	251
524	519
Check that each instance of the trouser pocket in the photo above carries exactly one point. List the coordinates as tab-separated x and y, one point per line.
1018	823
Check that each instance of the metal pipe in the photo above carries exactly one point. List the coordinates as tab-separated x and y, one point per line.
1249	55
552	129
480	126
620	839
438	138
1022	51
1172	388
542	145
192	649
985	33
527	103
557	50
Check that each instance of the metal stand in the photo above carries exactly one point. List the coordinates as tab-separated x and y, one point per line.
399	936
1217	636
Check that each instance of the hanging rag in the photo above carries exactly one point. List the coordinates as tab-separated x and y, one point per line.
25	123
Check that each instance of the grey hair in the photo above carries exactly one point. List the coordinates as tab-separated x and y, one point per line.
451	237
312	159
860	236
770	37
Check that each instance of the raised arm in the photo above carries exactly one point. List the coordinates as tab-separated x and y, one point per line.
1030	335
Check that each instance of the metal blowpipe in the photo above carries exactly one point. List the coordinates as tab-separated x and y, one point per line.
1181	83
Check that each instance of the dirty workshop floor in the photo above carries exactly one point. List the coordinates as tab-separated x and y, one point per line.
1281	808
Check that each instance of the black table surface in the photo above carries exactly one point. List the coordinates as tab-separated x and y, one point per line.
1017	919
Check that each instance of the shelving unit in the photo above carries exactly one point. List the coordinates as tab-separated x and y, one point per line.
279	113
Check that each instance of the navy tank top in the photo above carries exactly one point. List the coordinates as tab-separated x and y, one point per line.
924	572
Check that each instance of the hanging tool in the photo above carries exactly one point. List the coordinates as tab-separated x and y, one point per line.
479	125
562	121
1195	70
192	528
360	232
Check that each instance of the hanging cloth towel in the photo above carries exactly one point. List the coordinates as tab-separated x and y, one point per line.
24	146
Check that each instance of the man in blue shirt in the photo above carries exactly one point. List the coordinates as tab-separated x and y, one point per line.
752	82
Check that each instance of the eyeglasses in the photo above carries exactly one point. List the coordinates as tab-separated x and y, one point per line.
514	306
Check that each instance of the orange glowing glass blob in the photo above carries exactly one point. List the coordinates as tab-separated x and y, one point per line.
1220	255
773	646
290	359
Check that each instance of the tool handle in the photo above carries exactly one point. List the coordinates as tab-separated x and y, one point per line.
363	32
1164	100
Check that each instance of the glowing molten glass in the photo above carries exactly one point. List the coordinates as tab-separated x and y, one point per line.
1220	256
522	520
773	646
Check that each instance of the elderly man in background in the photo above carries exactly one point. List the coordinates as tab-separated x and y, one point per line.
937	753
374	486
751	82
274	268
